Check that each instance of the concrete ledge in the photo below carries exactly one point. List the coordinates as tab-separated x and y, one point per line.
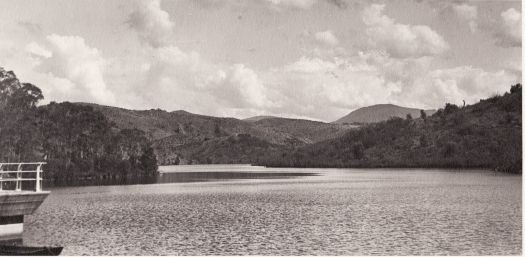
11	231
14	203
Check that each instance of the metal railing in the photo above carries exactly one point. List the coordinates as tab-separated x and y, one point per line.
10	174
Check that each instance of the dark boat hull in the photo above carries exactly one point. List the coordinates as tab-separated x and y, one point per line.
13	250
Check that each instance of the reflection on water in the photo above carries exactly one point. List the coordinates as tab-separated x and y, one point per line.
338	212
214	176
178	177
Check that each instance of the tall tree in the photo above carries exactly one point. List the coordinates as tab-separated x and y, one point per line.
18	120
423	115
148	161
75	139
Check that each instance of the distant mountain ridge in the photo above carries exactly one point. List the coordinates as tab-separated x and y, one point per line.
258	118
380	112
187	137
184	137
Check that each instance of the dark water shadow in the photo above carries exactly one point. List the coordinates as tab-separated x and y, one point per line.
177	177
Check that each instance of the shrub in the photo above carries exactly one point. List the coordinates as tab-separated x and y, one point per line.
450	108
358	151
148	161
449	149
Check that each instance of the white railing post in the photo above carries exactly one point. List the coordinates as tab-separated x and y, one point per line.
1	175
18	178
38	178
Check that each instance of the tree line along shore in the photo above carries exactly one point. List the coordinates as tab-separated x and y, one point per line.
81	141
487	134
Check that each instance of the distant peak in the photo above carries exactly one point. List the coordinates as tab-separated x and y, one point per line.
380	112
380	105
260	117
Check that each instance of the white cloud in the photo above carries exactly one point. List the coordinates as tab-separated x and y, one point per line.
401	40
509	34
315	87
422	86
311	87
462	83
468	13
247	83
341	81
185	80
327	37
178	79
327	89
152	24
79	67
23	60
35	49
305	65
301	4
320	86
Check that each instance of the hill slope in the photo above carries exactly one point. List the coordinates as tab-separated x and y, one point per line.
485	135
158	124
258	118
303	131
76	141
378	113
240	148
173	132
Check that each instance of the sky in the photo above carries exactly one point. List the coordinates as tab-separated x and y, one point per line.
314	59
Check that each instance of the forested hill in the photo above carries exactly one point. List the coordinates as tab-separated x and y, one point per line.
183	137
185	127
247	147
89	140
77	142
487	134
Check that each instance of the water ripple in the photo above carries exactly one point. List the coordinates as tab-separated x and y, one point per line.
343	212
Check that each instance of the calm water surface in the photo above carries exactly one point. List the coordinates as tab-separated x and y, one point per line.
231	211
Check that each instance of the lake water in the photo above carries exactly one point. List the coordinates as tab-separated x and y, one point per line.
242	210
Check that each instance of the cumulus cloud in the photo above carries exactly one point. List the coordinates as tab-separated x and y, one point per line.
425	87
152	24
185	80
322	88
324	84
326	89
468	13
245	83
79	66
462	83
401	40
509	33
178	79
36	50
301	4
321	44
326	37
310	65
